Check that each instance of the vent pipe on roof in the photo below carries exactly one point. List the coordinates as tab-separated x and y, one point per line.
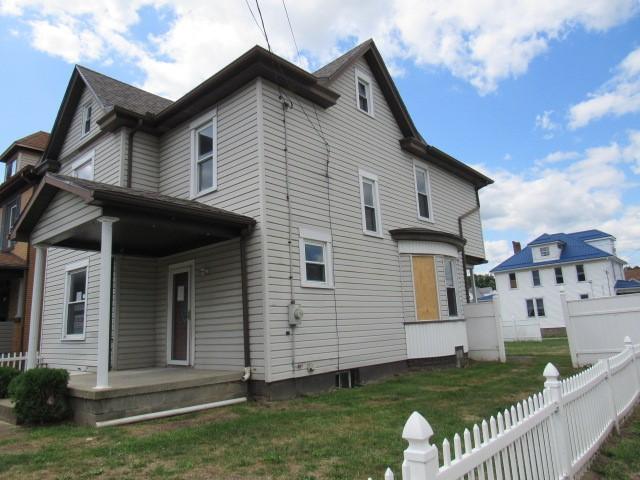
517	248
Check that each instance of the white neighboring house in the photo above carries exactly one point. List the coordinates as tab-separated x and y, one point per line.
583	264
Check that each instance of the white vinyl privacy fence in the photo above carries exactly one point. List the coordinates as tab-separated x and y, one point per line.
550	435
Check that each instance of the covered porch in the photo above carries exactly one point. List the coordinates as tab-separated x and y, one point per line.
159	259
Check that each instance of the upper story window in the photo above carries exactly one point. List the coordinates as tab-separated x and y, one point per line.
544	251
559	276
423	194
371	223
86	118
10	168
204	167
364	97
83	166
513	281
11	214
75	305
535	276
580	273
315	258
450	280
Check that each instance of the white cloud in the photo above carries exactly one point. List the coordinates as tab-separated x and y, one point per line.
481	42
557	157
544	121
496	251
619	96
585	193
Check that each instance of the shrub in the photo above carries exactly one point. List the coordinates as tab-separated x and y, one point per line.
40	396
6	375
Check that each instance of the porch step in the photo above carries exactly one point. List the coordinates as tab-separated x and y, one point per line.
6	411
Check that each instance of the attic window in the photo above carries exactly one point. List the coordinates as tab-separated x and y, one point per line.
544	251
86	119
364	99
10	169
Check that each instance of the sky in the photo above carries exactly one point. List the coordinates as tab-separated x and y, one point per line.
542	96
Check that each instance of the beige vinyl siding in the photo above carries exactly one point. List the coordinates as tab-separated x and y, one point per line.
70	354
74	138
137	318
371	296
219	342
65	211
146	161
26	158
107	160
238	188
472	231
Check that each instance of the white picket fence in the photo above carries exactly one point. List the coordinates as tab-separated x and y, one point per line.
13	359
550	435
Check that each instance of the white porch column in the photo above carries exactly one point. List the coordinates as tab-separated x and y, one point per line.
36	307
104	320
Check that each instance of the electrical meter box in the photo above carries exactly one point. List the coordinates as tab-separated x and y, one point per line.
295	314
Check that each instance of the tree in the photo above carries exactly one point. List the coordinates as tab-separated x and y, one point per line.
486	280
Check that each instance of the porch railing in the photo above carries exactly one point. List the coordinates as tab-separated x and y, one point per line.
17	360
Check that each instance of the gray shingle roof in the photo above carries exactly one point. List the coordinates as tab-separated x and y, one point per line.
112	92
334	66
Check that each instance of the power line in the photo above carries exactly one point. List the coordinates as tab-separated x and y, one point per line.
291	30
255	20
266	37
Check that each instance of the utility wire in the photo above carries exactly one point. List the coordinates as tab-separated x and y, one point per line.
266	37
255	20
291	30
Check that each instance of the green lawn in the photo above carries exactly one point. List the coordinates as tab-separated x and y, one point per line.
347	434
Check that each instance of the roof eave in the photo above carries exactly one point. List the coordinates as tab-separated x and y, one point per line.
436	156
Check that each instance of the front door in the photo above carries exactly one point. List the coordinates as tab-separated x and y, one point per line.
180	308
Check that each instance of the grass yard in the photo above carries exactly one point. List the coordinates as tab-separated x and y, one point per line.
346	434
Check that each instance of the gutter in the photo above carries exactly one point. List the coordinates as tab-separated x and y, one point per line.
464	259
132	132
245	303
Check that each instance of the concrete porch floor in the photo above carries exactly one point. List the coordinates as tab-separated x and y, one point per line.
147	380
137	392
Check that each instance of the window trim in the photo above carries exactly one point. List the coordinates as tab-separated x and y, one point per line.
69	269
515	277
584	273
86	157
366	79
316	235
545	249
195	126
533	279
427	174
85	109
555	270
5	242
453	262
362	175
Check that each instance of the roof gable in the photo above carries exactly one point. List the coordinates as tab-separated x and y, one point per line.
35	142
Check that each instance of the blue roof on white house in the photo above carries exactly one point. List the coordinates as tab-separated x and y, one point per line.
627	285
574	249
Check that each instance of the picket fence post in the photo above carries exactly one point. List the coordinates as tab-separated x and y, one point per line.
612	396
420	457
560	427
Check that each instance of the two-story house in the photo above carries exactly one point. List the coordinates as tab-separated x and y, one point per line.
290	228
16	258
581	264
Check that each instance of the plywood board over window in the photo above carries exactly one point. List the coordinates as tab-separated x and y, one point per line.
425	288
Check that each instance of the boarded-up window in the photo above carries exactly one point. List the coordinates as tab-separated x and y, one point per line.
425	288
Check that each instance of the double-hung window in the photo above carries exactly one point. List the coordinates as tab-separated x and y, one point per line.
370	203
75	305
535	276
83	167
86	119
10	169
423	194
315	258
513	281
450	280
535	307
364	98
544	251
11	213
204	166
559	276
580	273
